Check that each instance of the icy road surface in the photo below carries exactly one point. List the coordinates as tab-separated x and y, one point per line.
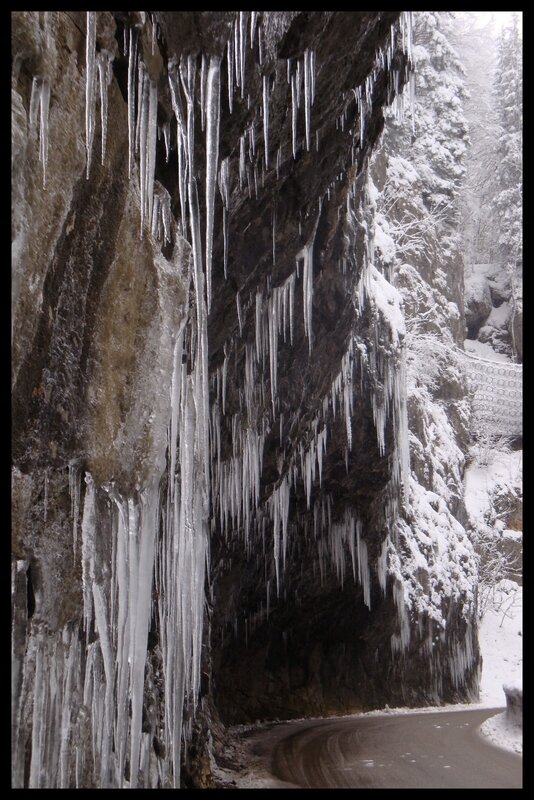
418	751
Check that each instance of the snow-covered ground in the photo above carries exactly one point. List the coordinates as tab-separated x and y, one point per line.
484	473
484	350
501	630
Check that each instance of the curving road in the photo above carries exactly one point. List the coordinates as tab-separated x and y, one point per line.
419	751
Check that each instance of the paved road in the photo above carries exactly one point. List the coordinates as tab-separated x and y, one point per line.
419	751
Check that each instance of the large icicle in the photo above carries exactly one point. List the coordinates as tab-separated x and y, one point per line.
151	143
141	597
104	61
266	119
294	108
181	148
212	159
224	188
43	131
132	63
90	55
306	255
307	96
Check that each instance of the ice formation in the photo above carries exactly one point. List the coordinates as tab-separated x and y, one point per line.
153	566
104	63
90	60
39	105
212	113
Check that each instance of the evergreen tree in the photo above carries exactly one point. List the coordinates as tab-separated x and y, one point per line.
440	126
508	197
425	167
476	46
508	99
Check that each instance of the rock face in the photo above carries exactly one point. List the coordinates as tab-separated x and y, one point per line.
209	462
492	314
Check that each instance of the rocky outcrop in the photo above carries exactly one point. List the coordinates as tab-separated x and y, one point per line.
148	570
478	302
514	704
493	309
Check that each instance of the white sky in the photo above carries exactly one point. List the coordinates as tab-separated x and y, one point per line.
500	18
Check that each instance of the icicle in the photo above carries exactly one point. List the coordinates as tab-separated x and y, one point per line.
153	37
252	27
224	188
294	115
151	144
307	97
165	213
363	567
274	232
224	373
224	182
45	501
140	599
291	306
74	492
239	318
180	140
259	348
88	544
266	119
132	61
172	72
382	566
273	348
312	76
166	139
148	107
306	255
242	170
230	65
43	130
104	60
212	158
260	45
252	141
242	51
90	52
203	77
35	103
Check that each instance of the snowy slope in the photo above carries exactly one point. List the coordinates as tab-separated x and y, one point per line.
501	629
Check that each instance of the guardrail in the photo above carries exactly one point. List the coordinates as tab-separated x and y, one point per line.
497	388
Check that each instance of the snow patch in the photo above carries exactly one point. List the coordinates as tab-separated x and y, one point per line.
503	733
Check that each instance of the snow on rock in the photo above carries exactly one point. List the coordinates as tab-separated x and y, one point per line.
429	555
437	566
478	303
488	469
503	733
484	350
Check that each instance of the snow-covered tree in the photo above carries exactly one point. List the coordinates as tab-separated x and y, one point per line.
440	141
508	197
424	157
476	46
508	99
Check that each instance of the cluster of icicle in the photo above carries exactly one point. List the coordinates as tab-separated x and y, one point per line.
236	482
93	733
